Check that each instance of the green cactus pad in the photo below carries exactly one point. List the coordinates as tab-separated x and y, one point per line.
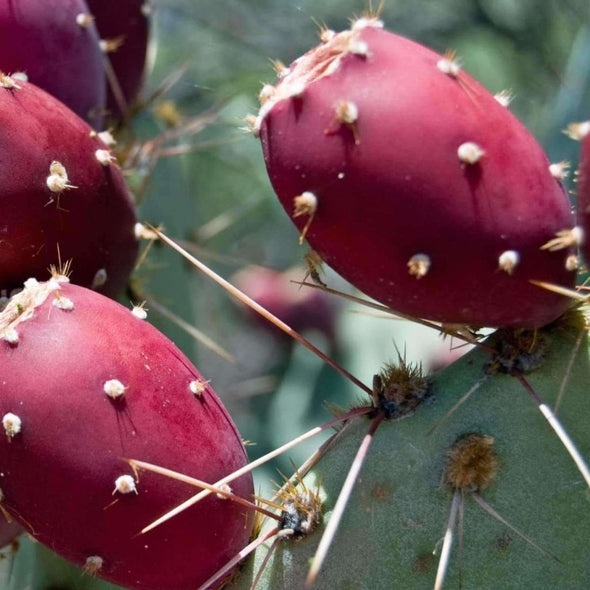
400	507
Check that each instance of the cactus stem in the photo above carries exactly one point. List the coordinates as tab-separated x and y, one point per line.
341	503
260	310
557	427
254	464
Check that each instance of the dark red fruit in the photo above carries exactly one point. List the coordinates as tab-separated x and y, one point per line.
85	383
57	47
60	188
413	182
581	131
301	308
123	27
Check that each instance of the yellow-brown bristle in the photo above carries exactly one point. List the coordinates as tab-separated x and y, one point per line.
472	463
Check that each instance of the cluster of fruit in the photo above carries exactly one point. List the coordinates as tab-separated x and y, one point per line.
402	172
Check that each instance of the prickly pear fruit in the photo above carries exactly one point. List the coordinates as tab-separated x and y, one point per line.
62	190
124	30
393	525
413	182
57	46
581	131
301	309
86	383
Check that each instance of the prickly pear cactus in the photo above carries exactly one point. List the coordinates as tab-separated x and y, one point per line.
424	191
392	530
414	182
56	45
86	385
63	197
124	30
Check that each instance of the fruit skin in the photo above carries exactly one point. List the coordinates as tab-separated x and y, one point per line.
301	308
390	184
583	192
44	40
59	471
92	224
127	21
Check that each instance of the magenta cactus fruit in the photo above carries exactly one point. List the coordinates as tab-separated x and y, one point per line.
414	182
581	132
85	383
124	31
62	195
57	46
300	308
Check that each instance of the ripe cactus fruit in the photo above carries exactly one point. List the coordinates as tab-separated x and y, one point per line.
301	309
413	182
124	29
57	46
581	132
63	476
61	190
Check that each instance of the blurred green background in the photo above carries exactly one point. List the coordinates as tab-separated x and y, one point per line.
217	198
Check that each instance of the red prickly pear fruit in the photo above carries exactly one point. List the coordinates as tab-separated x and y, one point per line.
124	29
581	132
299	307
61	189
85	383
57	46
414	183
